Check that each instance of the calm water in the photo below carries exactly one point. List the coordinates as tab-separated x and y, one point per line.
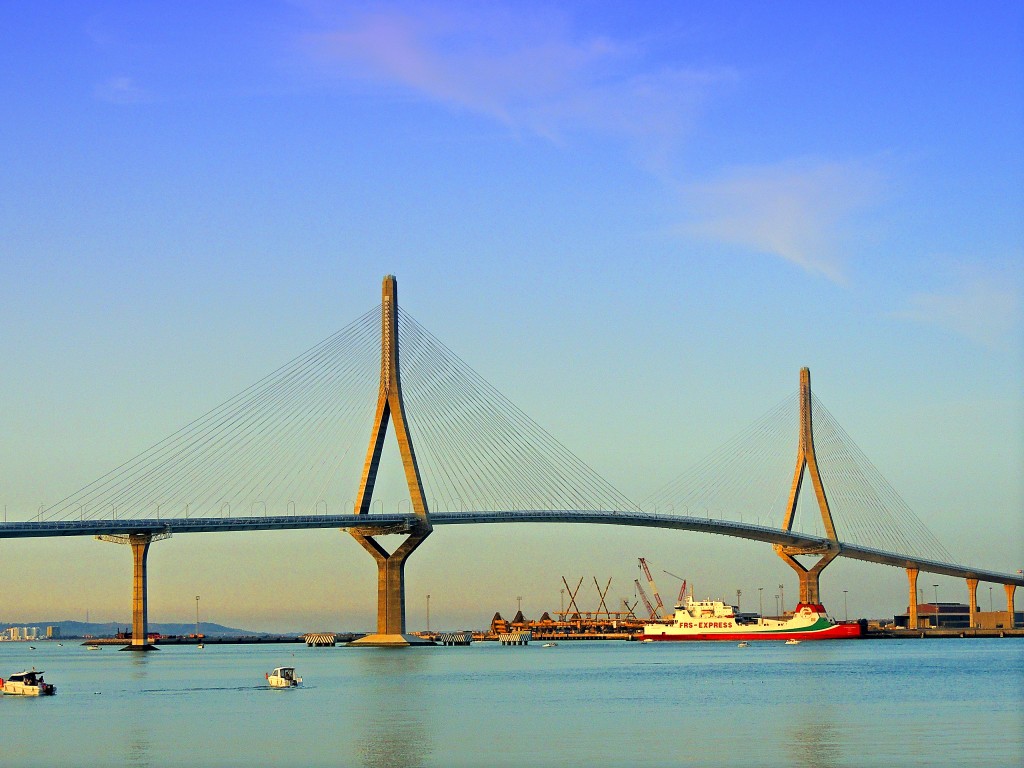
892	703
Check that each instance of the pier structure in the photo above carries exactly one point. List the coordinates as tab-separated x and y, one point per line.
807	463
1010	615
391	565
912	621
139	543
972	601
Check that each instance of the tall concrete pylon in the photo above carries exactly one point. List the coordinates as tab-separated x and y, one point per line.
391	566
807	461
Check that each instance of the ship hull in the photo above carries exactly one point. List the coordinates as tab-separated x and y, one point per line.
715	620
833	632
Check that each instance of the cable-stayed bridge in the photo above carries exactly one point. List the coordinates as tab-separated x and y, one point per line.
290	452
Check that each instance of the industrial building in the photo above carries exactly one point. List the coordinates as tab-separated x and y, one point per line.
956	616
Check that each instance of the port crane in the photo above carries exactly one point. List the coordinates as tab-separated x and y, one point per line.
682	589
660	606
647	603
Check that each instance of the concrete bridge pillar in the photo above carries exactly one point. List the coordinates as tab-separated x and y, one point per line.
912	621
139	543
1010	589
391	591
972	599
810	592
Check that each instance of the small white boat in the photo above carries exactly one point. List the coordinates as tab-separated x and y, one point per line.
93	647
792	641
744	644
29	683
550	645
283	677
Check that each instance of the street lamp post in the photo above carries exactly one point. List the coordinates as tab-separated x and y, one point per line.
760	600
197	615
776	606
936	605
782	595
428	613
738	593
846	610
990	599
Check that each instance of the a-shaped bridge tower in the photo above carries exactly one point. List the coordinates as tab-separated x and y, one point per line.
807	463
391	566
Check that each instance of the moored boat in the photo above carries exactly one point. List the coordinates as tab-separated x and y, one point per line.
283	677
29	683
717	620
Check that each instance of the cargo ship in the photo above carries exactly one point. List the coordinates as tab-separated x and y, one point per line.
716	620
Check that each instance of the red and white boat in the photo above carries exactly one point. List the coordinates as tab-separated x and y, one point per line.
716	620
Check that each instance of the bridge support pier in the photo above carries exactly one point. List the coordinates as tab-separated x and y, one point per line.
912	619
972	601
139	543
391	592
810	593
1010	615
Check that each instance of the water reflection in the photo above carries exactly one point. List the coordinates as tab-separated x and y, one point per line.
394	708
138	669
138	740
139	746
813	738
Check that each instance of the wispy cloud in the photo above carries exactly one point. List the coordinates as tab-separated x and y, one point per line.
985	310
797	211
530	71
121	90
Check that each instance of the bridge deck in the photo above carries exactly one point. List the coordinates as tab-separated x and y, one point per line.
397	523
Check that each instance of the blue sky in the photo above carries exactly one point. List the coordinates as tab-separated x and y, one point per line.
638	223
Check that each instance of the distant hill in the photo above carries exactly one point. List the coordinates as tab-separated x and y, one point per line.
109	629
